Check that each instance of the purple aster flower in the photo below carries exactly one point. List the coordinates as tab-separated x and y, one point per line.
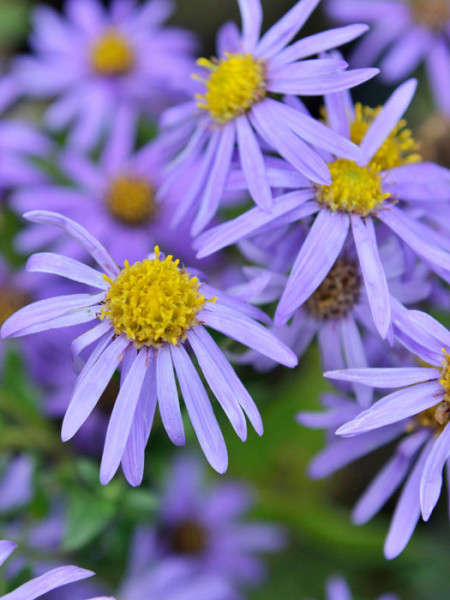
207	528
419	410
337	589
145	314
45	583
104	66
406	34
115	197
338	312
235	111
388	174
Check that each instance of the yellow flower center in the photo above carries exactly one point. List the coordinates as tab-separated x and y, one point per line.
11	301
353	189
399	148
445	375
131	200
111	54
153	302
338	293
235	83
438	416
431	13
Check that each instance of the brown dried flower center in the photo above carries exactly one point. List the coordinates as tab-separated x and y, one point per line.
338	293
188	537
431	13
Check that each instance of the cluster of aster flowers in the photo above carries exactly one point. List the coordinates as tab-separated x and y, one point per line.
146	167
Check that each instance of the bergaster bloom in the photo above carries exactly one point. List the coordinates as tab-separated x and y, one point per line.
420	408
206	526
338	312
384	185
146	314
236	108
115	196
104	65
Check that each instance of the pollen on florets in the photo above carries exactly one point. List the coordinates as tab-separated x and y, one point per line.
399	148
131	200
153	302
112	54
235	83
338	293
354	189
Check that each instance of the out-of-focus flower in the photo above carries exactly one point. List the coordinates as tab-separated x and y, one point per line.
19	144
389	172
174	579
146	312
115	197
406	33
337	589
206	528
45	583
235	108
420	409
104	67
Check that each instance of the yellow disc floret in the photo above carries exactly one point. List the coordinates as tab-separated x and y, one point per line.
235	83
131	200
153	302
353	189
445	374
111	54
399	148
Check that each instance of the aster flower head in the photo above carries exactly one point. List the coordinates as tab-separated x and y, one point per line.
206	527
389	173
38	587
100	65
338	312
419	411
337	589
235	108
403	34
145	313
115	196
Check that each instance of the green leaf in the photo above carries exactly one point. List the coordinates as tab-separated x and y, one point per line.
87	517
14	21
